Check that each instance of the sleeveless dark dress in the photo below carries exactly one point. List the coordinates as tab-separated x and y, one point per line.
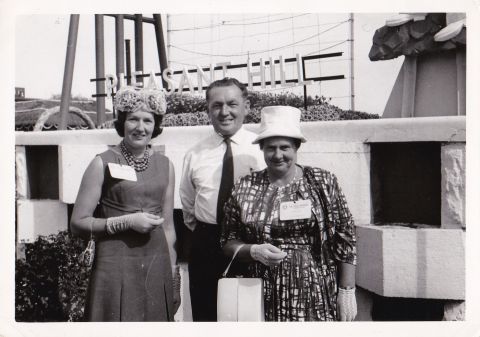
131	278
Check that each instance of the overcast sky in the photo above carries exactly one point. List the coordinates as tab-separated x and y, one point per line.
41	41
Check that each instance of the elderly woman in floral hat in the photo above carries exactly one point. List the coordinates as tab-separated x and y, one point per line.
292	223
125	203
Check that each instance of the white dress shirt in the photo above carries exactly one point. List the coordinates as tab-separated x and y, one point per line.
202	172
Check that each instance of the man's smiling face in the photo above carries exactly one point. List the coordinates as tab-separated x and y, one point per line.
227	109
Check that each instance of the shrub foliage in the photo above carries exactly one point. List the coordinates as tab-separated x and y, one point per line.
50	284
190	110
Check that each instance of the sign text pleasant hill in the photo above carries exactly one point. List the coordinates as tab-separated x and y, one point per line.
267	73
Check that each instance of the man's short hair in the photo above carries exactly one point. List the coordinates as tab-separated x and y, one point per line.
226	82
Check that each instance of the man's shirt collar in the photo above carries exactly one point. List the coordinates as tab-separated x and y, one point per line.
236	138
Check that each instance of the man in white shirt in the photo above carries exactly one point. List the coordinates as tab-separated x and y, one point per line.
227	106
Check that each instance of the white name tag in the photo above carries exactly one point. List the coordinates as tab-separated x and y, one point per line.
293	210
124	172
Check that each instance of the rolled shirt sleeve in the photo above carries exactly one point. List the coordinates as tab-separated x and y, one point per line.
187	194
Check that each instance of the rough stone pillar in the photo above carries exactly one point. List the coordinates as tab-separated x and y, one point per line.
21	177
453	185
22	191
454	311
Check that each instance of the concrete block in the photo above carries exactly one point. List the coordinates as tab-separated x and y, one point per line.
395	261
72	163
441	129
68	137
40	217
176	156
369	271
350	162
364	304
453	185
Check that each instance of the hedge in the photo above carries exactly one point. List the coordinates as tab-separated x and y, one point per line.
190	110
50	284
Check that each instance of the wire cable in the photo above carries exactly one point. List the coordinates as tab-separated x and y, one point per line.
261	51
223	23
254	18
323	49
253	35
260	22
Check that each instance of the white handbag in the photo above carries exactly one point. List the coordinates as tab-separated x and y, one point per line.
239	299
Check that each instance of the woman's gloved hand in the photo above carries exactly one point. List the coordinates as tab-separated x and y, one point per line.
346	304
177	281
267	254
139	222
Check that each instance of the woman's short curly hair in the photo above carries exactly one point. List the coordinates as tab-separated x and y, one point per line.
119	124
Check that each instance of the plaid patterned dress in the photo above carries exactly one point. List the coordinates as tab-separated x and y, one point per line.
304	286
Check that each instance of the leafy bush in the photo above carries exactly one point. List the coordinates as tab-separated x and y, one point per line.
50	284
187	118
349	114
262	99
323	112
185	103
190	110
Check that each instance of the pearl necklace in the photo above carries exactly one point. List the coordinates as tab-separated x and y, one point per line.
139	164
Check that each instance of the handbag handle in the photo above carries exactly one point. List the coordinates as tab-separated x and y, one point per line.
231	261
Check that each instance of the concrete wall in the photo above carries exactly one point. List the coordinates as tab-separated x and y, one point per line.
40	217
433	92
350	163
340	146
392	261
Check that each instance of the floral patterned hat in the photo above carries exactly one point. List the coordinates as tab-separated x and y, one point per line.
131	99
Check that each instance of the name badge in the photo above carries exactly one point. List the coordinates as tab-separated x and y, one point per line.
294	210
124	172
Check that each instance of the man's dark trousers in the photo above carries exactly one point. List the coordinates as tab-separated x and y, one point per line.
206	265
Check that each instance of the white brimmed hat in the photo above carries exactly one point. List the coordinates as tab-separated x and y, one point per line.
283	121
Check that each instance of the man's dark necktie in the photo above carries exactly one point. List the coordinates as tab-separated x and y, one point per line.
226	183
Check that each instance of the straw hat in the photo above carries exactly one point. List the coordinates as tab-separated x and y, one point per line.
283	121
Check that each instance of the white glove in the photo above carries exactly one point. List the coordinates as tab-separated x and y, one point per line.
346	304
139	222
267	254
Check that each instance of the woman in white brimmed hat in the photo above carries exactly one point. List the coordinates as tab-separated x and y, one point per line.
295	228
